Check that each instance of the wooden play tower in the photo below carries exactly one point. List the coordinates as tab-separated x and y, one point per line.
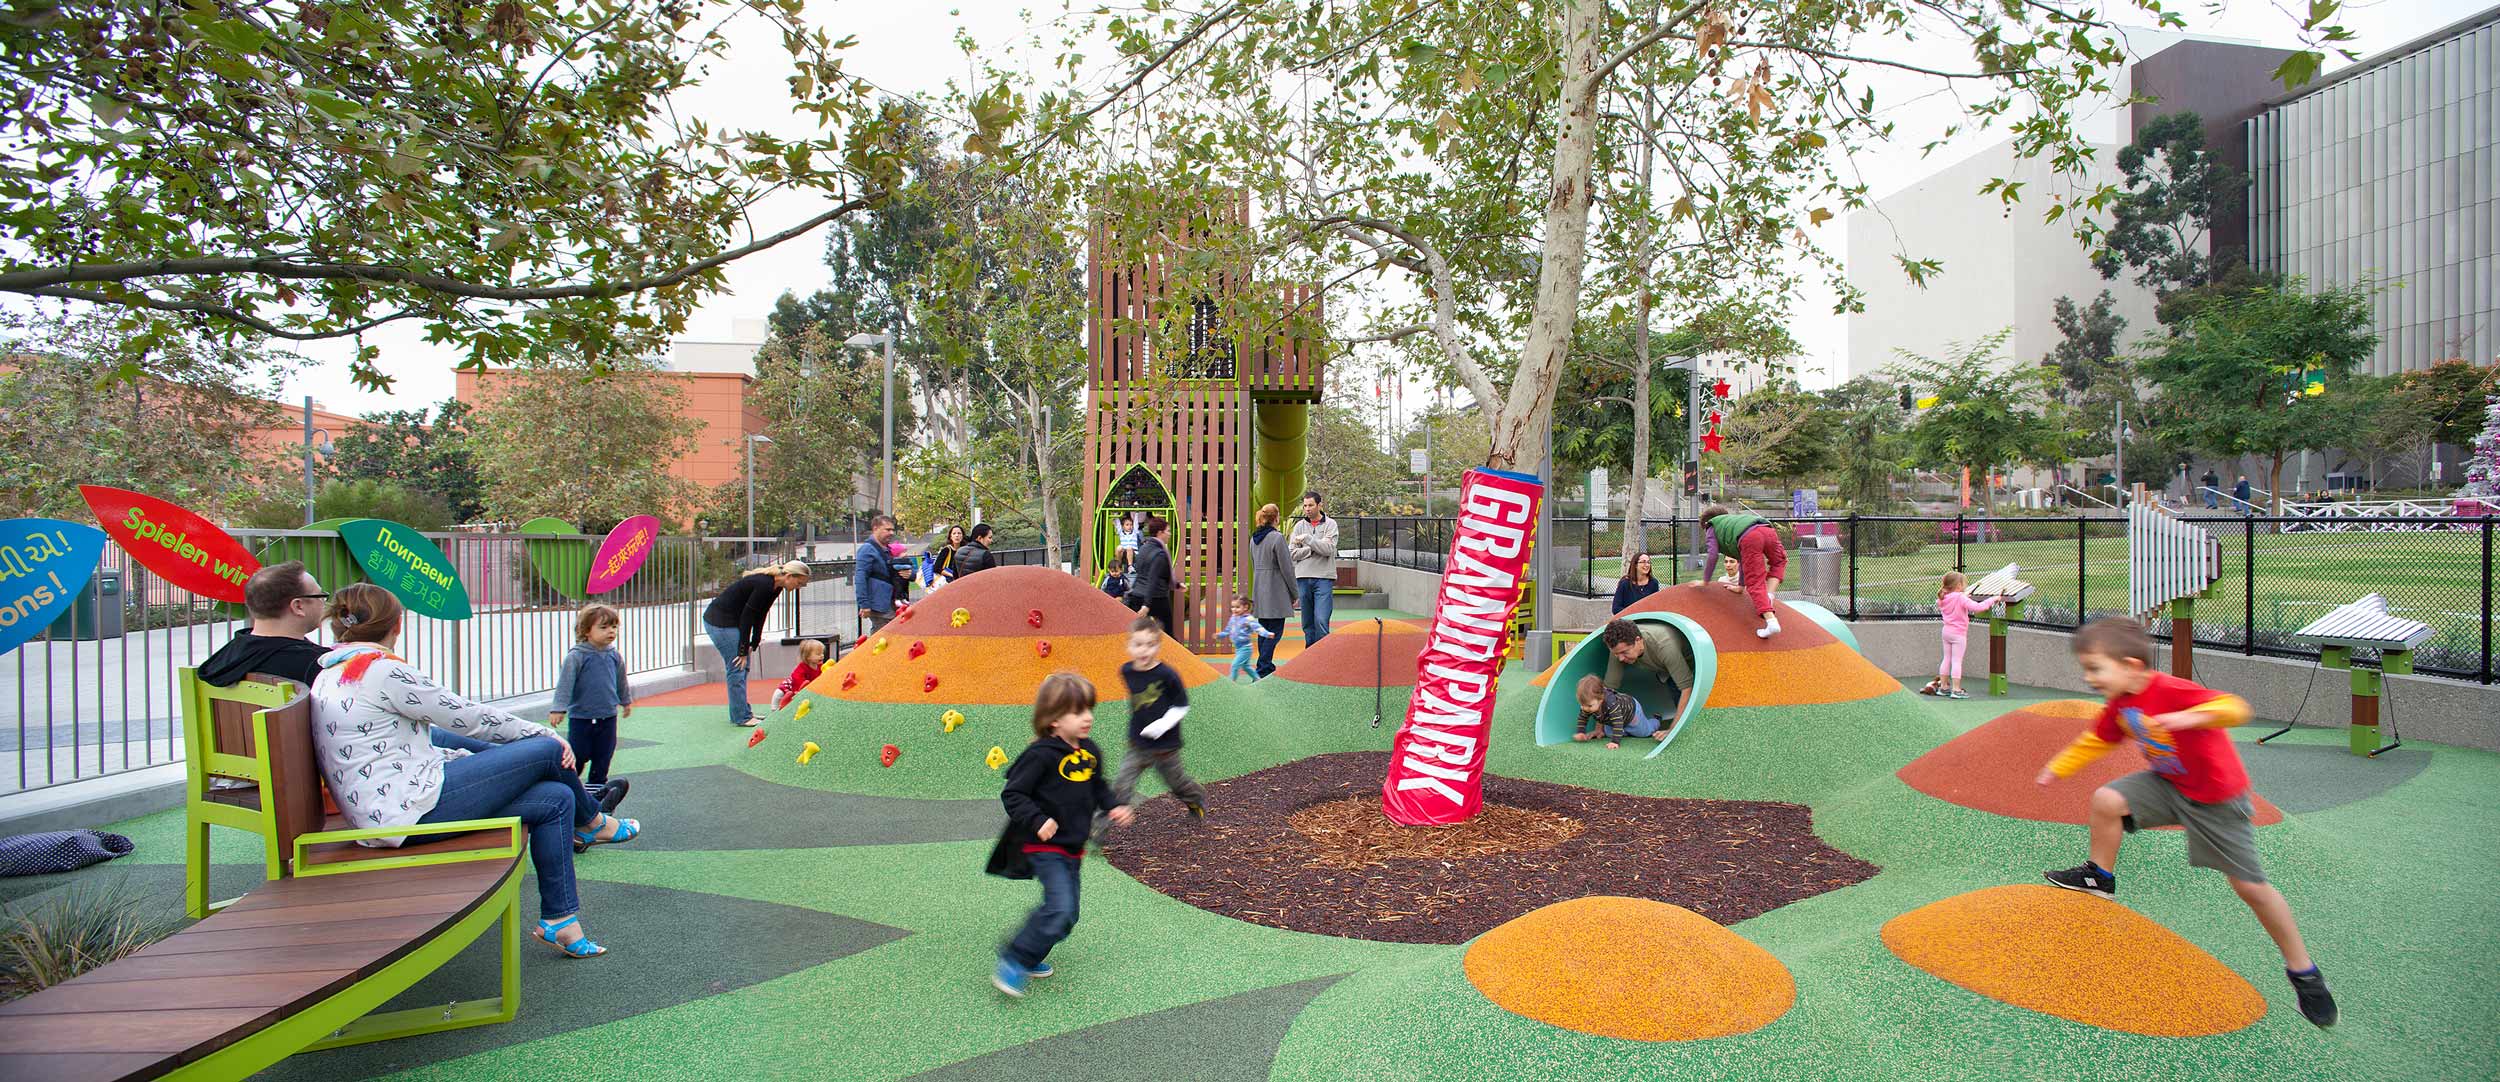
1200	423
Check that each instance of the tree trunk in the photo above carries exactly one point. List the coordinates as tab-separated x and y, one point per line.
2274	484
1049	493
1519	436
1636	505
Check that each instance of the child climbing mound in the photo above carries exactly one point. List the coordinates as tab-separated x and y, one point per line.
1956	607
811	665
1053	792
2197	783
1612	714
1761	560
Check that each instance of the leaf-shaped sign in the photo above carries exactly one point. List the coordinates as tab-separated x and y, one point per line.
622	554
180	547
399	559
562	562
44	562
322	553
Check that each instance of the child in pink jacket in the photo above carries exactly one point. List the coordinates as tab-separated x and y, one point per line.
1956	607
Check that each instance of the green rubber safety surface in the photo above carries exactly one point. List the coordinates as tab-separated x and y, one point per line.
832	921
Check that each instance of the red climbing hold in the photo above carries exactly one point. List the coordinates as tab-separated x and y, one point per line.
918	648
928	682
758	738
887	755
1034	617
850	680
1042	647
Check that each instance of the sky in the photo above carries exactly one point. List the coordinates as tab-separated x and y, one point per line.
908	48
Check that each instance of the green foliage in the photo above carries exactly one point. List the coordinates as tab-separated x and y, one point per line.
822	406
1345	463
1987	414
2088	340
2448	397
2227	379
380	499
514	175
422	453
81	928
73	411
556	437
2175	188
1870	441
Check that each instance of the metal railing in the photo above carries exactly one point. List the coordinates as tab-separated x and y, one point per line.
100	698
2280	572
828	607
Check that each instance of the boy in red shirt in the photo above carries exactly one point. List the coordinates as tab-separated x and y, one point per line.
2197	784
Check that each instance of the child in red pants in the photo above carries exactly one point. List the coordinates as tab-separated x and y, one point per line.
1761	560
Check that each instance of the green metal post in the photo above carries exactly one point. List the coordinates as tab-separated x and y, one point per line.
1997	619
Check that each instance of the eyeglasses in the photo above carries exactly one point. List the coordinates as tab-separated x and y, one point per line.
307	597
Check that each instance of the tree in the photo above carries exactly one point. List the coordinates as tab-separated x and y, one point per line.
363	498
554	437
2449	397
75	411
819	405
423	451
2088	339
2175	188
2230	379
1986	414
1755	437
1345	462
2482	470
1871	438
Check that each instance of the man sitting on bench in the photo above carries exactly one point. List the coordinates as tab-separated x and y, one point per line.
285	605
1654	648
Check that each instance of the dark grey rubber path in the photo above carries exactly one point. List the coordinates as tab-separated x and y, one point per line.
716	808
1233	1039
2314	777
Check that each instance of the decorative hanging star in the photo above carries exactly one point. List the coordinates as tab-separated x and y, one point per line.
1709	441
1720	389
1716	417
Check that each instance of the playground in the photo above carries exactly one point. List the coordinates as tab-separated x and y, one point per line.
1825	876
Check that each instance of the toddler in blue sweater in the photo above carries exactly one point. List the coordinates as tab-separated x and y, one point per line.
591	692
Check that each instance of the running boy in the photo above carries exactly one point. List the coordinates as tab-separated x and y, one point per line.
1761	560
1054	789
1244	633
2197	783
1157	700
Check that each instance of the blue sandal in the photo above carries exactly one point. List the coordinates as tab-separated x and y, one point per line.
626	831
579	948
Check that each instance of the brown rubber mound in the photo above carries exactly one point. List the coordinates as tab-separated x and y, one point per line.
2083	959
1991	768
989	671
1001	601
1630	968
1728	618
1726	860
1352	654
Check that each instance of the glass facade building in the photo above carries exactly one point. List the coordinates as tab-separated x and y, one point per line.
2389	171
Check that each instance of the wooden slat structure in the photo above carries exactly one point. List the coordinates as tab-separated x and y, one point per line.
1183	407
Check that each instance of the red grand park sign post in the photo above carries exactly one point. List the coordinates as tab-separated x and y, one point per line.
1436	768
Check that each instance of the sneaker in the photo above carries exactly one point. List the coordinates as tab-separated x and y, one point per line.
2316	1003
1010	978
1196	811
613	794
2088	878
1040	971
1957	694
1770	626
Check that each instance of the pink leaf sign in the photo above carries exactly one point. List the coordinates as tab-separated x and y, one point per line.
622	554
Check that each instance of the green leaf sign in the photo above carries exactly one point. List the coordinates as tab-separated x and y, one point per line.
562	560
399	559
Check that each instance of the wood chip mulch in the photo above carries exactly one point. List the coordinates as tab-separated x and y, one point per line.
1724	859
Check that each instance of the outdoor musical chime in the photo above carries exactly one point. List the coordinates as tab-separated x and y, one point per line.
2365	625
2015	591
2170	562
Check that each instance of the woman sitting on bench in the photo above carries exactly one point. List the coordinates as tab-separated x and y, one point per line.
373	721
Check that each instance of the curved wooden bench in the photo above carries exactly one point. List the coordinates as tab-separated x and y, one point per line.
300	962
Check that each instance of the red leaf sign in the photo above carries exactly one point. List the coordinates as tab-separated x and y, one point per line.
180	547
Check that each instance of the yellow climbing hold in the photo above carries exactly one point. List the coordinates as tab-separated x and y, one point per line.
952	718
879	648
962	617
997	757
808	752
804	706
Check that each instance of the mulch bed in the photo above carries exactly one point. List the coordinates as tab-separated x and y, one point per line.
1724	859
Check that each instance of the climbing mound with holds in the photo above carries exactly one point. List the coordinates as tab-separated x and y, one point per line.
2079	958
1356	655
1803	665
996	655
1991	768
1630	968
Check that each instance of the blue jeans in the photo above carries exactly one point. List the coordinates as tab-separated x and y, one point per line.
527	779
730	640
1642	723
1051	920
1319	601
1267	645
1242	663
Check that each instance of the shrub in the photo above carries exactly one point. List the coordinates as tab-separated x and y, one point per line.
86	926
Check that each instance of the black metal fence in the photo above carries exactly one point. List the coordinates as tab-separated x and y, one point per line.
2279	573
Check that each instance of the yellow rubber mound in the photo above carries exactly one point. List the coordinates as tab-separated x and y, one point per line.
986	670
2081	958
1816	675
1631	968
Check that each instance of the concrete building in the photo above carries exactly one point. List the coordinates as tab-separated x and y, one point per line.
2390	170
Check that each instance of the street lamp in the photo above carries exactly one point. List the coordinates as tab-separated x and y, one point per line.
324	449
863	340
751	441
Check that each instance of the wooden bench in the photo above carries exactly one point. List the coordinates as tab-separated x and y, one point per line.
301	962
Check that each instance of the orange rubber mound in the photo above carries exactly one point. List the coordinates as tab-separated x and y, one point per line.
2083	959
1352	654
994	671
1814	676
1991	768
1630	968
1729	619
1001	601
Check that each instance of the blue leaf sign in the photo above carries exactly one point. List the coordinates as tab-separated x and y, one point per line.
44	562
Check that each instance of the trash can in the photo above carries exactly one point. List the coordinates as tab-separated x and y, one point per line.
96	613
1822	571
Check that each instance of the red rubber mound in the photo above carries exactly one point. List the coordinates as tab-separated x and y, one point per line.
1001	602
1352	654
1991	768
1729	618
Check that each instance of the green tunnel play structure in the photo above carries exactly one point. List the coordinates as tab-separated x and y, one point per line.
1559	711
1283	454
1828	621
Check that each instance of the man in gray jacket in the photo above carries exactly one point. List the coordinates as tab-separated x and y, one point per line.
1271	584
1314	550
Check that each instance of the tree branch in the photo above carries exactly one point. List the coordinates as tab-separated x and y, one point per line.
220	311
1654	36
